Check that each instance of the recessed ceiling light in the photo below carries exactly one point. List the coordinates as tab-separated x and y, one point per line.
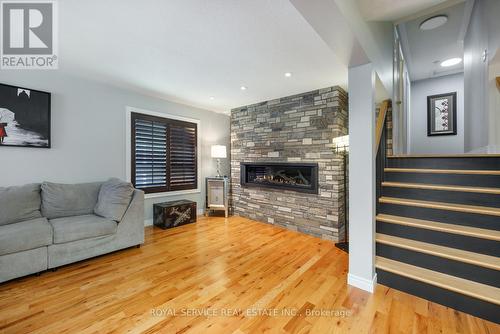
243	87
433	22
288	74
212	97
451	62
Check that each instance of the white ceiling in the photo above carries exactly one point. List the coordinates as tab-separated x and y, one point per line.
189	50
393	10
425	50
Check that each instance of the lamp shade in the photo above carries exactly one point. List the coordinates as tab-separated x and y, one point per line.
341	144
219	151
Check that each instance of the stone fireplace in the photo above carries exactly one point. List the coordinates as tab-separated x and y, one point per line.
283	167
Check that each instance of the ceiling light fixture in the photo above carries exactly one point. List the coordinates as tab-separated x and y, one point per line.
433	22
288	74
243	87
451	62
212	98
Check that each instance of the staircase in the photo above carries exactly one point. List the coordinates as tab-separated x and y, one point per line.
438	230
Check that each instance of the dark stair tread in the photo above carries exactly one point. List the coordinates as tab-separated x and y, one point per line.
469	288
484	210
486	261
441	171
468	231
438	156
469	189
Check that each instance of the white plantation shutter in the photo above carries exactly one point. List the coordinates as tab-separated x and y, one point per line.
164	154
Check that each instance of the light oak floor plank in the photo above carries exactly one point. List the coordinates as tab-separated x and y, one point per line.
219	276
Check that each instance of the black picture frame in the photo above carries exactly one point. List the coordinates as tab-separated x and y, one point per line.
450	119
29	112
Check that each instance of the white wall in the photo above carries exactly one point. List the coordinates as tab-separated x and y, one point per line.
476	130
419	142
494	106
88	133
376	38
493	8
362	177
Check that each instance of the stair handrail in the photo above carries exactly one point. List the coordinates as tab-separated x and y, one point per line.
380	148
380	123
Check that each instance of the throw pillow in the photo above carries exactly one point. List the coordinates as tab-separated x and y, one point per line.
67	200
114	199
19	203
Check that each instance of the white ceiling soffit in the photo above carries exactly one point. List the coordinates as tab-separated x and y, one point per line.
425	50
376	39
328	21
190	50
393	10
351	38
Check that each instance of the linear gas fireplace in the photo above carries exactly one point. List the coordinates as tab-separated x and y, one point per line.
301	177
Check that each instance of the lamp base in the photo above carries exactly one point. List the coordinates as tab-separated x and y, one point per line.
218	168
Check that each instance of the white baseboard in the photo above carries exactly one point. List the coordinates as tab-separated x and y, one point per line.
362	283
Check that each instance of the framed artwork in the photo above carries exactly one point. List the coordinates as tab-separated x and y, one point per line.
442	114
24	117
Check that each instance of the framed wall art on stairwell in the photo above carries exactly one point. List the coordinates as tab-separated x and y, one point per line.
442	114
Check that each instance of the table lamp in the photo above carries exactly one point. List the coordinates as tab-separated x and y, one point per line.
219	151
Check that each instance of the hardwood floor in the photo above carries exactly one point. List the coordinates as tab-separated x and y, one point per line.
219	276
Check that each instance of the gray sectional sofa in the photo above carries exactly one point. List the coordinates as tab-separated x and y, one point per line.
44	226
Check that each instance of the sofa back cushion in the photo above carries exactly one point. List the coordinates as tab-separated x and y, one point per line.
114	199
66	200
19	203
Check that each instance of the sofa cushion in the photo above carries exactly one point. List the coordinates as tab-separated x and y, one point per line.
19	204
25	235
81	227
114	199
66	200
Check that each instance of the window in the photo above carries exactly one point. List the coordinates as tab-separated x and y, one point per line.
163	154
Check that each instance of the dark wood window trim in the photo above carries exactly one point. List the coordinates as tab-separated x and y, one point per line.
172	156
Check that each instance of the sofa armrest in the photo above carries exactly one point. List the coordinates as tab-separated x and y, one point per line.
131	227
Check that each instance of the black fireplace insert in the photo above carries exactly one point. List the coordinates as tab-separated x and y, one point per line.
301	177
